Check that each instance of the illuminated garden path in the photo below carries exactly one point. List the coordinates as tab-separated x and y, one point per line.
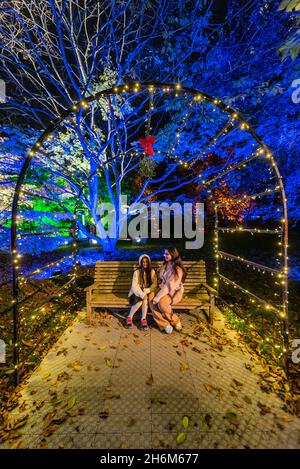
102	386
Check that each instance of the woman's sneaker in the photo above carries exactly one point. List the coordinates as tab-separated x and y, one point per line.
144	324
178	326
129	324
169	329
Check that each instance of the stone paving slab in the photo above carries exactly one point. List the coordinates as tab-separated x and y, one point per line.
102	386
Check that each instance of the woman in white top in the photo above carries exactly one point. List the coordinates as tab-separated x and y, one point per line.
172	275
144	282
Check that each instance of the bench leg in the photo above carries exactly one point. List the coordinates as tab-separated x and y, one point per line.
212	309
88	307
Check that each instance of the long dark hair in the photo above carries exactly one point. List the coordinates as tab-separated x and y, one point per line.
176	262
146	271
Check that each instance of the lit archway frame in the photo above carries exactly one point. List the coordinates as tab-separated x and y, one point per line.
235	117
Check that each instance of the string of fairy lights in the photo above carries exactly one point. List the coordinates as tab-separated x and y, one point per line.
236	122
250	264
281	231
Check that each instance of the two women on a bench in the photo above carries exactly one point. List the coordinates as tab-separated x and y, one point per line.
172	275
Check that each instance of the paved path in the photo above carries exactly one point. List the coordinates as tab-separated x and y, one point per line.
102	386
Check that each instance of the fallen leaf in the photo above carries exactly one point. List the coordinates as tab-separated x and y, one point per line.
109	394
108	362
71	402
63	376
158	399
181	437
48	417
247	399
75	365
16	444
237	383
287	418
150	380
208	387
264	409
14	425
131	422
171	425
59	420
279	425
63	351
248	366
184	366
185	422
39	404
270	379
46	376
207	420
43	443
28	343
231	416
23	406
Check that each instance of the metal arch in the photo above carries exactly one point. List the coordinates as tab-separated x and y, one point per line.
235	115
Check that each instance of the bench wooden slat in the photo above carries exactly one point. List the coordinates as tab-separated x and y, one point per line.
102	300
124	278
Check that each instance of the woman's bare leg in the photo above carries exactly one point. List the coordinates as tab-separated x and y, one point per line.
165	307
163	314
134	308
145	307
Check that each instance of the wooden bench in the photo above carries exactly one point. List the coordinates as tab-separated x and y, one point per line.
113	281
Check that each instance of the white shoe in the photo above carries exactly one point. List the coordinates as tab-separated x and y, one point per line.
169	329
178	326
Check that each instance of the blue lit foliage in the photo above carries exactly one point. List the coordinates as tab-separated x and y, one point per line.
229	51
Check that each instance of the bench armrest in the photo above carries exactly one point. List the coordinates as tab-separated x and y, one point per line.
93	286
209	288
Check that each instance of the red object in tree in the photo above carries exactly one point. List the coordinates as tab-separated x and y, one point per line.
147	144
